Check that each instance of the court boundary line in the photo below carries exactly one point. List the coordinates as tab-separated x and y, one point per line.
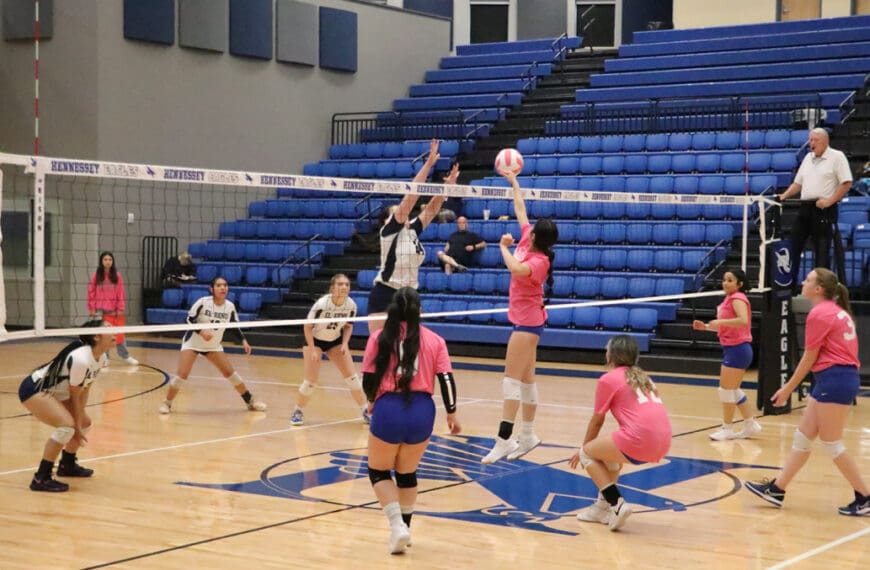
819	549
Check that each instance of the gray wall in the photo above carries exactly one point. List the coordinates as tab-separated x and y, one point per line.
541	19
113	99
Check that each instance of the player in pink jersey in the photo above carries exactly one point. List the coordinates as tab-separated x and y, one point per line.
399	368
644	434
530	265
733	323
831	353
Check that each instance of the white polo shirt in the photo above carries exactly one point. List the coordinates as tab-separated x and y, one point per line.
820	176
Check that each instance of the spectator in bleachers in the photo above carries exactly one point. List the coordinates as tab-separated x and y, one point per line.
822	180
461	248
401	250
177	270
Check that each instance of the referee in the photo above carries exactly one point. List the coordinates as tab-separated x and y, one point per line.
823	178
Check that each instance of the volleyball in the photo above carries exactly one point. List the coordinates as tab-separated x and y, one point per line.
509	160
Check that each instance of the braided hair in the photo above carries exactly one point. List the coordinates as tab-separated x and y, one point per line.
546	235
403	309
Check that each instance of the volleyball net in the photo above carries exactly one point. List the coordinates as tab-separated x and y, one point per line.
265	232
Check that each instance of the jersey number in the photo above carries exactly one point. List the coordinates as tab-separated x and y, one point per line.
645	398
849	323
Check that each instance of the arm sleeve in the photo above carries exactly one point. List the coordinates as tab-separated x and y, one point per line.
120	295
235	334
448	391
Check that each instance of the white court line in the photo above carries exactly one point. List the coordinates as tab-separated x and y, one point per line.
193	444
824	547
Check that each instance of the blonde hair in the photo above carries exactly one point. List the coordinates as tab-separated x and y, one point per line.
622	350
832	289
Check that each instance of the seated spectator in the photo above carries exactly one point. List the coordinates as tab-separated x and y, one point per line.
178	270
461	247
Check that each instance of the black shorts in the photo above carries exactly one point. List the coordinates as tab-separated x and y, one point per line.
379	298
327	345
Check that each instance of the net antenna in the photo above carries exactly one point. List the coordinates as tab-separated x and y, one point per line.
66	211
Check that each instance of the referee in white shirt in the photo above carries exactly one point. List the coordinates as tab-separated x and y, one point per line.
823	178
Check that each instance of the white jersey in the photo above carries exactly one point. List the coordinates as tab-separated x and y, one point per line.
324	308
401	253
205	311
79	369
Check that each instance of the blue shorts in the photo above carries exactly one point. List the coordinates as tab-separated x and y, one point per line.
538	330
379	298
632	460
327	345
27	389
836	385
737	356
395	419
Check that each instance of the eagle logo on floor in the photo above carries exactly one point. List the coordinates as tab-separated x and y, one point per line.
519	494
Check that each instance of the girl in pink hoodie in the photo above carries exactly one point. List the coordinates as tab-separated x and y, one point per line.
106	296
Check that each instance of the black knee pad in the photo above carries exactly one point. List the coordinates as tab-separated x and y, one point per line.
406	480
378	475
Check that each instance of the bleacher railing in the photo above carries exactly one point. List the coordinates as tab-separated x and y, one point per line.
685	115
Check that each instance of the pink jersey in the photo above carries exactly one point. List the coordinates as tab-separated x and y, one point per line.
831	330
644	432
526	293
732	336
431	360
106	296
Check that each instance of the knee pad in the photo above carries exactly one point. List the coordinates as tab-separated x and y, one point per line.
740	396
801	442
511	388
727	396
613	467
87	430
354	382
63	434
177	381
834	448
307	388
406	480
585	460
235	379
529	393
378	475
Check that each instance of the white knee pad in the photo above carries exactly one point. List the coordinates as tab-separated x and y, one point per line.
529	393
511	388
728	396
86	430
585	460
63	434
177	381
307	388
739	396
613	467
354	382
834	448
801	442
235	379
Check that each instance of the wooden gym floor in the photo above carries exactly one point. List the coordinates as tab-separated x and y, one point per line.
215	486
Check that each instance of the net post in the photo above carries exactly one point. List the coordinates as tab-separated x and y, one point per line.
39	250
777	337
2	277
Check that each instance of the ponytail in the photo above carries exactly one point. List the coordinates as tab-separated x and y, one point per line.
404	308
832	289
546	235
622	350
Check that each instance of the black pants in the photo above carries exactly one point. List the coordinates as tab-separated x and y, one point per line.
818	224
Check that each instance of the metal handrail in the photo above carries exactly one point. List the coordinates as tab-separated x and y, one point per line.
309	258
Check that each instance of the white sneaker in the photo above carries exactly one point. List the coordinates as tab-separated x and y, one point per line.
257	406
165	407
723	434
618	514
525	443
598	512
131	361
400	536
501	448
750	428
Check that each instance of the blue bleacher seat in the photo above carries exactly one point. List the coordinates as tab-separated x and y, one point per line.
678	142
282	276
232	273
611	143
642	319
483	283
614	287
659	164
546	166
682	163
661	184
548	145
686	185
640	287
711	184
559	318
590	144
196	293
172	298
483	318
703	141
612	233
667	259
691	233
256	275
250	302
718	232
587	258
586	317
563	286
588	287
613	259
634	143
640	259
669	286
568	145
614	318
197	249
206	272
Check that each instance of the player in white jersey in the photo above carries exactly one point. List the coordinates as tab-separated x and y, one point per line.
207	342
401	251
56	394
330	339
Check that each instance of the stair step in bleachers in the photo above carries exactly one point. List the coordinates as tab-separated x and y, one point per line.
472	87
485	73
552	44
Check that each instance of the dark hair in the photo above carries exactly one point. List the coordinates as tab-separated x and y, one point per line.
546	235
404	308
101	273
89	339
740	276
832	288
622	350
55	365
215	280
